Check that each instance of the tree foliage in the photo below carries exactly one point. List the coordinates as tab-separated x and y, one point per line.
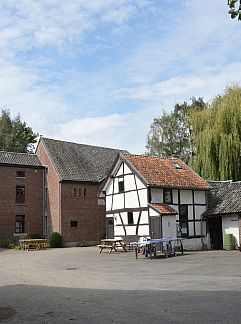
235	8
15	135
170	134
217	137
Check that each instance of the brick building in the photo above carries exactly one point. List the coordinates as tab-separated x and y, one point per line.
21	196
74	174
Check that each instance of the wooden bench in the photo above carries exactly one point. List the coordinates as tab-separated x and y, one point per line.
112	244
38	244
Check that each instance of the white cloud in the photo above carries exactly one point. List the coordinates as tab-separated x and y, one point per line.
170	57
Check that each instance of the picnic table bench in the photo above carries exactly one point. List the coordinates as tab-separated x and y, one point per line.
112	244
38	244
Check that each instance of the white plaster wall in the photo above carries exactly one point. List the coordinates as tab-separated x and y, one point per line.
199	210
117	220
185	197
231	226
169	226
204	228
143	230
194	244
144	217
126	169
175	196
120	171
153	212
131	199
129	182
191	228
118	201
199	197
139	183
108	202
109	190
116	185
156	195
190	212
198	228
143	197
119	231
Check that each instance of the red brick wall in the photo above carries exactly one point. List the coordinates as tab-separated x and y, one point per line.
32	208
53	185
85	210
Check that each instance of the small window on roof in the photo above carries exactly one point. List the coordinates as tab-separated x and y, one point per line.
176	165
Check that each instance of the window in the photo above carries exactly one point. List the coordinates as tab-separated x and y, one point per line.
20	194
20	174
84	192
167	196
121	186
19	225
73	223
75	192
183	219
130	218
176	165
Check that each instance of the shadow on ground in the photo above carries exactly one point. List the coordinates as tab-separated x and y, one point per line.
42	304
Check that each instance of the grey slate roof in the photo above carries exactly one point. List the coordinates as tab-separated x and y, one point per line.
21	159
224	198
80	162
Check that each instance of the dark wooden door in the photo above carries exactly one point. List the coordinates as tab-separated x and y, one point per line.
155	227
216	232
110	227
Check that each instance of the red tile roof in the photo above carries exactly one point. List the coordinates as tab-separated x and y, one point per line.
164	209
166	172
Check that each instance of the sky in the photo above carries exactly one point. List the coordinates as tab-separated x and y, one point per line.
99	71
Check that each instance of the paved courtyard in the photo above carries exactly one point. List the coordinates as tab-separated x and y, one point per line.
79	285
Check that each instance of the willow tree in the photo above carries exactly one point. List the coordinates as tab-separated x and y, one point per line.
216	132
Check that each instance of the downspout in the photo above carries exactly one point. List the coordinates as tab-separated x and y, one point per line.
60	220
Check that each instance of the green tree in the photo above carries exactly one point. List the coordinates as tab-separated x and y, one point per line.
235	8
216	133
15	135
170	134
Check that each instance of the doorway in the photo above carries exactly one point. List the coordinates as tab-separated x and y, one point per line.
155	227
110	227
216	232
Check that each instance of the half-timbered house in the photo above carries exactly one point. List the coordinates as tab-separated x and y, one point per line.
155	197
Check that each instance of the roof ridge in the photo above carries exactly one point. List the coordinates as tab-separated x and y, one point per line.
157	157
28	153
90	145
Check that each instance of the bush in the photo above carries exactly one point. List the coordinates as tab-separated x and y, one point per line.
82	243
55	240
12	245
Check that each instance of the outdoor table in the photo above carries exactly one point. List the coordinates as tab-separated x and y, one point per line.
112	244
38	244
169	246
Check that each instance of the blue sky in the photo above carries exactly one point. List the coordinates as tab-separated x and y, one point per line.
99	71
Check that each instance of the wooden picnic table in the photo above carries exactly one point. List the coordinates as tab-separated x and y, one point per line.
112	244
38	244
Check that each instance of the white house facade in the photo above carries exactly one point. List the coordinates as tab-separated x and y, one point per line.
155	197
